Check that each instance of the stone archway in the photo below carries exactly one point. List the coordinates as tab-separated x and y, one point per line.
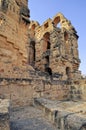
32	53
68	72
56	21
46	49
67	44
48	70
46	43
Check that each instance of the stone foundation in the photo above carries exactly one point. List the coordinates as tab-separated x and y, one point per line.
21	92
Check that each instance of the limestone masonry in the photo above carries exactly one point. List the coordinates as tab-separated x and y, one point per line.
45	47
37	60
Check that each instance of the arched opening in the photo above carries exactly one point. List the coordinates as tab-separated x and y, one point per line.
67	44
48	70
46	49
33	27
68	72
32	53
47	36
46	25
33	30
65	36
57	22
46	43
47	61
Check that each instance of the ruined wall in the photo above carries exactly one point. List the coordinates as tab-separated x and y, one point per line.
56	46
22	91
14	20
37	60
78	89
46	46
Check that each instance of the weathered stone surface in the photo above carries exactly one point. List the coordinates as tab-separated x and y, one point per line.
67	115
29	118
4	115
38	60
58	45
21	91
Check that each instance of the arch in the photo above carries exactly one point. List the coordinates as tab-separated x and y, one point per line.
46	36
48	70
67	43
32	53
46	51
56	21
46	44
68	72
46	25
33	27
65	36
47	61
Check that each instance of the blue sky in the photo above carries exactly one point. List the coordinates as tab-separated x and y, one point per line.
74	10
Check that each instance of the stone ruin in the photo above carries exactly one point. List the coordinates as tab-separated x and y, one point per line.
37	60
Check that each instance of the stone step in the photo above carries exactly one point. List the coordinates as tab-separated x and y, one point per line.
66	115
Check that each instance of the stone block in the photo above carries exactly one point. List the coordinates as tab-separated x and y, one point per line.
4	114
